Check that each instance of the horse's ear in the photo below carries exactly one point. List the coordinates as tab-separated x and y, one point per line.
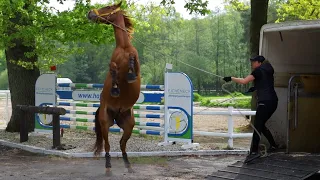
119	4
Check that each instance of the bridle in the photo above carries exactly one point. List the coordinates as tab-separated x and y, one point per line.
108	15
105	14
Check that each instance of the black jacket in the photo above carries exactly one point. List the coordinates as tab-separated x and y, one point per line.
264	82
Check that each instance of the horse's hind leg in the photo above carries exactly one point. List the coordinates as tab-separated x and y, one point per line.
115	90
132	76
127	124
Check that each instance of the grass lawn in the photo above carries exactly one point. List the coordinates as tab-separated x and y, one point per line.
240	100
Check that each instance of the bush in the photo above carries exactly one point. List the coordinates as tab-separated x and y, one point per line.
241	103
237	94
4	80
205	102
196	97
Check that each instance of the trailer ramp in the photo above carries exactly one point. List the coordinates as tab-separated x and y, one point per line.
278	166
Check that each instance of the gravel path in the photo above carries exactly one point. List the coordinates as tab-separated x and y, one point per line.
20	165
84	140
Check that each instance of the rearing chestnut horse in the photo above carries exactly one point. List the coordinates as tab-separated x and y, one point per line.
122	85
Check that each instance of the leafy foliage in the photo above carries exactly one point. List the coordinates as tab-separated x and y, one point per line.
52	31
196	97
217	43
299	9
82	49
4	79
194	6
3	65
237	5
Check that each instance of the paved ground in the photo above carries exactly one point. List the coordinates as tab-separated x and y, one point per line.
277	166
16	164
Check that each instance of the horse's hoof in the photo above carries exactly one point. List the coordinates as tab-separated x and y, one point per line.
108	172
115	92
131	77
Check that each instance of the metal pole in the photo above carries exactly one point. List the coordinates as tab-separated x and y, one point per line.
288	109
166	110
296	106
74	115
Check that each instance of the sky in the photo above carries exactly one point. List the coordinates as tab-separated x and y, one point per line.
179	5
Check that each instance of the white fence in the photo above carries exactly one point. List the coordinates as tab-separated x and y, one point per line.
231	112
5	94
230	134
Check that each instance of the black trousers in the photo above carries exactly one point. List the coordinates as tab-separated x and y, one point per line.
264	111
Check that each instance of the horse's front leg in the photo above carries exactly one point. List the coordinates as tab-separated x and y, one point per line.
107	123
115	90
132	76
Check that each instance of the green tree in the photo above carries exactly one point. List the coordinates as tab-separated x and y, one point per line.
4	79
155	36
29	31
299	10
259	11
90	66
274	6
20	56
82	49
3	72
3	65
258	17
193	6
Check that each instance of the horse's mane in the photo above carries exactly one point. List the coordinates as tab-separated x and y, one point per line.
128	24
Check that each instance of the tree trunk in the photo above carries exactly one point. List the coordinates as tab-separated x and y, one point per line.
199	84
217	56
198	53
224	47
236	55
21	80
259	15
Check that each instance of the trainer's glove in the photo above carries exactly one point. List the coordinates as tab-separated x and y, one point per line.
227	79
251	90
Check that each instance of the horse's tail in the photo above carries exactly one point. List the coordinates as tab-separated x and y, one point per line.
99	139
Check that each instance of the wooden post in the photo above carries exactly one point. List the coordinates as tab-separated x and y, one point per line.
56	131
42	110
23	127
55	111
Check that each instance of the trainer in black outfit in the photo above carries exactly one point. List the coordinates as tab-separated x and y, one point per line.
267	99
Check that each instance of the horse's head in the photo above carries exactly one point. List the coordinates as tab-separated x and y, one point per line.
106	14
